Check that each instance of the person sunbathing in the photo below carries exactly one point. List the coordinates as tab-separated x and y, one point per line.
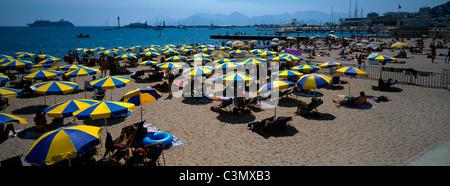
354	101
128	133
302	106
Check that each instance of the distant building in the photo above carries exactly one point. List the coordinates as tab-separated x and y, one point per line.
373	15
424	11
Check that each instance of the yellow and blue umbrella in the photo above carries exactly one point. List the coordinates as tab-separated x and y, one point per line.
169	65
291	57
266	53
154	54
275	85
6	118
104	109
314	81
84	71
170	51
72	67
176	58
111	82
199	71
238	52
224	60
207	49
351	71
287	74
148	63
9	92
107	52
141	96
67	108
55	87
398	44
256	51
253	61
382	58
24	54
280	59
42	75
306	68
50	60
228	66
3	78
202	55
330	64
225	48
236	77
15	63
63	143
199	59
220	54
127	56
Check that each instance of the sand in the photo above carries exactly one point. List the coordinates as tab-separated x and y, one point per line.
390	134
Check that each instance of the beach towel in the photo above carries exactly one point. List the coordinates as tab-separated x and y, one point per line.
152	129
363	106
318	94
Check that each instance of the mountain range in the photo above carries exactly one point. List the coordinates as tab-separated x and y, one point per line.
236	18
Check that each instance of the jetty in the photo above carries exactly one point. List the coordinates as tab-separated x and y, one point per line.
251	37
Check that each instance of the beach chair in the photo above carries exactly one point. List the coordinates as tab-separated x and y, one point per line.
312	107
99	94
88	86
260	125
281	123
110	144
154	154
223	105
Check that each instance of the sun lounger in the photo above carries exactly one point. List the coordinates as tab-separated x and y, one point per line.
269	123
260	125
312	107
223	105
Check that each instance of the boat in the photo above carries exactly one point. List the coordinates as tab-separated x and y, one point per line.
47	23
107	26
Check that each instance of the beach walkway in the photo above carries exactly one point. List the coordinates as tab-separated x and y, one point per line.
436	155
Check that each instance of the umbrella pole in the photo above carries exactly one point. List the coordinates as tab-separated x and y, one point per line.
141	111
106	126
349	86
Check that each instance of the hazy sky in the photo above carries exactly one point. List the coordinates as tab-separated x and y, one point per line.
95	12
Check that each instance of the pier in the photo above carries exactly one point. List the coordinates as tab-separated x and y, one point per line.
250	37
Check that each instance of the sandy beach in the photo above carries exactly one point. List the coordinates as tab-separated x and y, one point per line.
388	135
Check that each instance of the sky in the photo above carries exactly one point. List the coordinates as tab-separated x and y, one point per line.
96	12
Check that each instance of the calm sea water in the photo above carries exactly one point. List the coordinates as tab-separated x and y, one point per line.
58	41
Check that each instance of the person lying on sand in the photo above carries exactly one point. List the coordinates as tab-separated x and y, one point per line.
354	101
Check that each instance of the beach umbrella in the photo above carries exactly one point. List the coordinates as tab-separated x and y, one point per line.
266	53
176	58
256	51
202	55
382	58
153	54
63	143
104	110
279	59
84	71
169	65
127	56
15	63
6	118
141	96
72	67
236	78
200	60
306	68
9	92
330	64
225	48
287	74
107	52
150	50
67	108
224	60
275	85
291	57
55	87
170	51
148	63
238	43
45	56
111	82
199	71
314	81
398	45
50	60
42	75
3	78
3	56
207	49
252	61
220	54
24	54
38	67
238	52
7	59
350	71
228	66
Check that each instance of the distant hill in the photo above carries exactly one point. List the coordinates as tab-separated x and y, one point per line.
236	18
443	9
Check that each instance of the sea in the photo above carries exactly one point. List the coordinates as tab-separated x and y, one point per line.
59	41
